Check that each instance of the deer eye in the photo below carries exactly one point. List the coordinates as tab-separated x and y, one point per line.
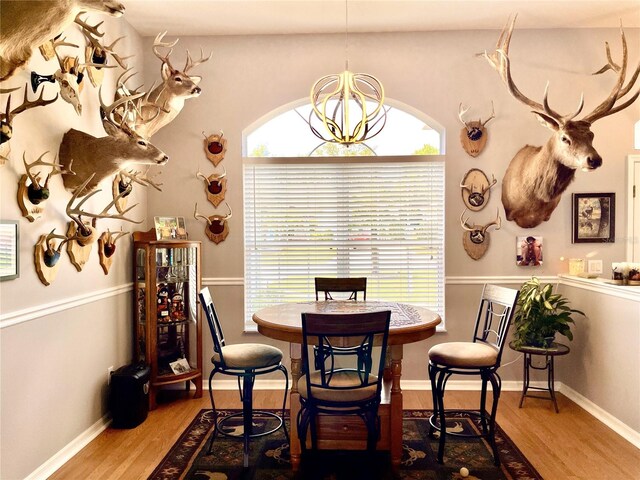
566	140
178	79
142	143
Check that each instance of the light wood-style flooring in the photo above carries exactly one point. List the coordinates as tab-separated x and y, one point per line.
566	446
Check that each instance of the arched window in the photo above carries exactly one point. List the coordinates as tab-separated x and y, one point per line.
375	212
284	133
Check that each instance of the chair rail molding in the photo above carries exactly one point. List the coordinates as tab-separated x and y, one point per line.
38	311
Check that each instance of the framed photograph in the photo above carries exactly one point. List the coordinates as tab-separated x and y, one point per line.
593	216
180	366
529	251
170	228
9	254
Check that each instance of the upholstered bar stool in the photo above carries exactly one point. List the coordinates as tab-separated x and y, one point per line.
244	361
479	357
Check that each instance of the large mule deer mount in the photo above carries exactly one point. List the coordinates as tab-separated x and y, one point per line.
537	176
101	157
27	25
176	87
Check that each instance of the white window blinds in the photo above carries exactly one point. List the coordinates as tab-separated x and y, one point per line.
383	221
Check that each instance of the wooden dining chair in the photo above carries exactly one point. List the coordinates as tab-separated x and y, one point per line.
244	361
334	285
353	389
479	357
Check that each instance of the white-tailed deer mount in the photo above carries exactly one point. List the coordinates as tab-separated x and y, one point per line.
103	157
475	238
537	176
28	24
215	186
476	189
32	191
215	147
6	118
46	256
97	54
176	87
217	227
84	234
122	185
107	247
474	134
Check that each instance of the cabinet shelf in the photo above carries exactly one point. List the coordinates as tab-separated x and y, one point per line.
167	283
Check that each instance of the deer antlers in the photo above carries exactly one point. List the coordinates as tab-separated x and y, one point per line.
56	169
9	114
190	63
76	213
462	111
92	34
479	233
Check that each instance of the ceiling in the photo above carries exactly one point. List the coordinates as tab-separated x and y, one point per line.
265	17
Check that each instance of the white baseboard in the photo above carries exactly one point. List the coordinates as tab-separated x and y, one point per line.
63	456
605	417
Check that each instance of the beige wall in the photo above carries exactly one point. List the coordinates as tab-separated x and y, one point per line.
54	367
57	342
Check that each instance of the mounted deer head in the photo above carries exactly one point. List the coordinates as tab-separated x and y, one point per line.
476	189
32	194
474	134
217	226
216	186
105	156
27	25
537	176
176	87
6	119
475	238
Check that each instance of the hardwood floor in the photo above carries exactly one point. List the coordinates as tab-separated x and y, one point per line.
566	446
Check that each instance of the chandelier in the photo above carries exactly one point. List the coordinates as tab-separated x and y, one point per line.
347	108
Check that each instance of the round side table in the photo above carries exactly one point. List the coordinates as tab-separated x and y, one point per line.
555	350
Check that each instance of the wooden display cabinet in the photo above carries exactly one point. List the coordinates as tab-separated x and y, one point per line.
167	318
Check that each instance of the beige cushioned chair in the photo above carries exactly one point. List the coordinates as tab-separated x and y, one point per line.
479	357
244	361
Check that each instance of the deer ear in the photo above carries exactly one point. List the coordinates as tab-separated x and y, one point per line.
196	79
165	71
547	121
111	129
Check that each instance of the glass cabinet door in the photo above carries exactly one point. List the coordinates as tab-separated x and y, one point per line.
176	314
141	305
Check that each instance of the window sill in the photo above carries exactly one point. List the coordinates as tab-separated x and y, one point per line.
629	292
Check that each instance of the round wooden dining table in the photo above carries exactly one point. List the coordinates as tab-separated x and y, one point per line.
409	323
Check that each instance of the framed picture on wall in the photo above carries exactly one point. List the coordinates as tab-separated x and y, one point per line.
529	251
593	217
9	254
170	228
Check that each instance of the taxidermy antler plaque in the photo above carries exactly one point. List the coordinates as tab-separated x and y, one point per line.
537	176
215	147
476	188
215	186
217	227
107	247
46	256
474	134
475	238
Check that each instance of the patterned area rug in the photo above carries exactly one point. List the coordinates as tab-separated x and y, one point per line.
269	458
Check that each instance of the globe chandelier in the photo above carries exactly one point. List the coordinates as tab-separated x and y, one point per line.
347	108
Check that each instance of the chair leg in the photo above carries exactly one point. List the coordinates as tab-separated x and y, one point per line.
483	403
432	376
215	413
371	420
496	387
247	414
303	424
442	376
284	401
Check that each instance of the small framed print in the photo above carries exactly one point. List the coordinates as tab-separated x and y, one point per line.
593	216
170	228
529	251
9	253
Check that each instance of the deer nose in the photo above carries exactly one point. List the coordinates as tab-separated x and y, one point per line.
594	162
196	91
164	160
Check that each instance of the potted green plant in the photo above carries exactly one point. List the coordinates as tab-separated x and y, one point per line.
540	314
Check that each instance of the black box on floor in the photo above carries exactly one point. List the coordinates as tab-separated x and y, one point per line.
129	395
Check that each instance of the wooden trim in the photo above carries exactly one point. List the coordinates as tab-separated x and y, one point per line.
39	311
621	291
